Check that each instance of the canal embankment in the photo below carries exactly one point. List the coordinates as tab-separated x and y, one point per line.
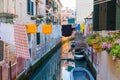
34	67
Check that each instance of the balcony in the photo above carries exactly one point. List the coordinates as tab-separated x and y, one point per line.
7	17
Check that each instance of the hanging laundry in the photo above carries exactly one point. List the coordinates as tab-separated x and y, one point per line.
78	27
31	28
66	30
47	29
21	41
82	27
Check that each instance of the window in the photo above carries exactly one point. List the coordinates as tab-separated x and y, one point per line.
30	7
38	38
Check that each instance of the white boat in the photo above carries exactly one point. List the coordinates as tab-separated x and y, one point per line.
79	54
79	73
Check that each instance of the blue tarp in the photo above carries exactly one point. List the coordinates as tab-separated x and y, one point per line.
78	27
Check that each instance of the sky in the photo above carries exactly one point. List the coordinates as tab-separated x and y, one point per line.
83	8
69	3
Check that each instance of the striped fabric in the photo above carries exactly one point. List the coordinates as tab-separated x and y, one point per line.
21	41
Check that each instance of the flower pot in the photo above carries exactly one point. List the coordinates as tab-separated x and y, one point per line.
90	45
96	50
95	46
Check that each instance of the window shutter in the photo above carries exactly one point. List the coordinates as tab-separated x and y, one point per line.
32	8
111	15
38	38
96	18
28	6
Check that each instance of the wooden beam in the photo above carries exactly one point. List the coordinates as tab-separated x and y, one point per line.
0	72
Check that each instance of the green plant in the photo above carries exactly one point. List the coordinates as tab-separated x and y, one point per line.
90	38
115	51
97	41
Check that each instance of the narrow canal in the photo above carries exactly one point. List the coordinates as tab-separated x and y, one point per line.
58	66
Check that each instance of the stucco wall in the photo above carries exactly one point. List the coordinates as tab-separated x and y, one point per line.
21	11
83	9
7	6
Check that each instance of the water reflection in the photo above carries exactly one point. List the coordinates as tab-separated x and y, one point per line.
51	69
68	63
58	66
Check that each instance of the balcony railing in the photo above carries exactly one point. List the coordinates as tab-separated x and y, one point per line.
7	17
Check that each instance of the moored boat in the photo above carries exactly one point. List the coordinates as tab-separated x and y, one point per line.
79	54
79	73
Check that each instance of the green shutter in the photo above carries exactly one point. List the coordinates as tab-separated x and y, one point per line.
111	15
102	16
28	6
32	8
118	16
96	18
38	38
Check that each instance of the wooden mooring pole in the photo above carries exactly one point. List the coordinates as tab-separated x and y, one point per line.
10	70
0	72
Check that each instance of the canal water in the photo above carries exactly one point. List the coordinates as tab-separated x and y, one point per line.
59	65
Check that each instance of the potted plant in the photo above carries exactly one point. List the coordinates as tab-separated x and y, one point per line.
96	44
89	39
115	51
107	43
